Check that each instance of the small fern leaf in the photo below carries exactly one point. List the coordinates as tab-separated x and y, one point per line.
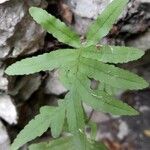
58	121
104	22
47	61
35	128
101	101
111	75
112	54
75	115
55	27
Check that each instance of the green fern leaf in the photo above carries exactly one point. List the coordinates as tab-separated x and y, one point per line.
40	124
35	128
98	100
76	66
104	22
101	101
105	73
111	75
54	26
58	121
75	115
47	61
112	54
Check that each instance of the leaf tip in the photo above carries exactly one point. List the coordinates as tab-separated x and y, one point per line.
33	9
36	13
144	85
13	70
8	70
13	146
134	112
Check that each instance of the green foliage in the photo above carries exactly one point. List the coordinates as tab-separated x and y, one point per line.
47	61
54	26
66	143
112	54
103	24
76	68
40	124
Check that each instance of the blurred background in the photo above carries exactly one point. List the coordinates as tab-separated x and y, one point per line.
22	96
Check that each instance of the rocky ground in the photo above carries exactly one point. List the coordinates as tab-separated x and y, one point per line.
21	96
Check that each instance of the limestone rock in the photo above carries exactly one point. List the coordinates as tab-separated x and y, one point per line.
19	34
140	41
88	9
85	11
25	87
3	79
4	138
53	85
137	17
3	1
133	19
7	109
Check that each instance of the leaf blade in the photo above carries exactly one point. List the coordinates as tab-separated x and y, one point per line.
112	75
54	26
101	101
74	114
25	135
104	22
58	121
112	54
47	61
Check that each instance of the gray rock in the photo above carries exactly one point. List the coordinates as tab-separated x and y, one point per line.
141	41
85	11
144	1
137	16
53	85
3	79
130	131
4	138
19	34
97	117
134	16
26	86
7	109
3	1
123	130
88	9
